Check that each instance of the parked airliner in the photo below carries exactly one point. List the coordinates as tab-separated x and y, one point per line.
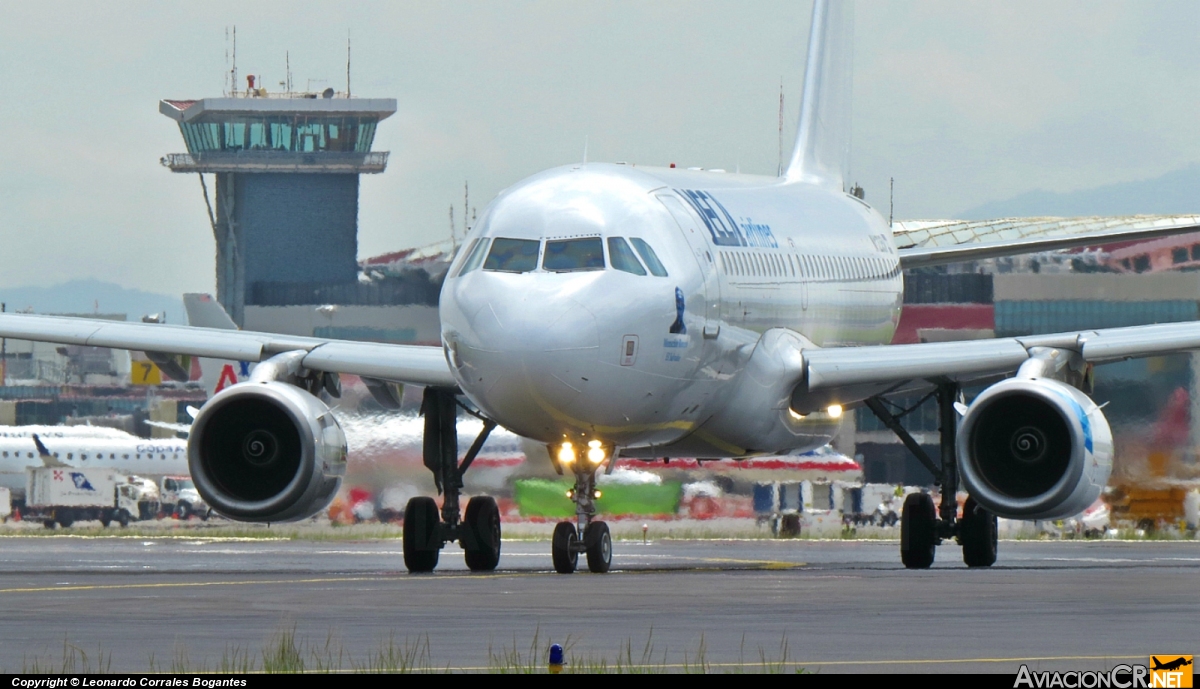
620	310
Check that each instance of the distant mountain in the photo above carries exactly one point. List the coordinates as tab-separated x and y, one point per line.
92	296
1175	193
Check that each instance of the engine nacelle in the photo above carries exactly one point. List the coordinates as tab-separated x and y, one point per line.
1034	448
266	451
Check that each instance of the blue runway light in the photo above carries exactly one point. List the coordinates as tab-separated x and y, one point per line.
556	659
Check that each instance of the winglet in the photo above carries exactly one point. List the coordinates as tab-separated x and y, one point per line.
48	458
822	151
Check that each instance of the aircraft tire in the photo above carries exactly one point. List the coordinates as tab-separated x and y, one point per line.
562	548
421	521
978	535
598	541
483	519
918	532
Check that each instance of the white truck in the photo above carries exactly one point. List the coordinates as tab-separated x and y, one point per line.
178	496
64	495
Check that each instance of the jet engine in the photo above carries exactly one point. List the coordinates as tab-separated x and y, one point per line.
1034	448
266	451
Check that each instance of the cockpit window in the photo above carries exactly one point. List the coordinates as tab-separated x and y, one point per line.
648	255
564	255
478	251
622	258
512	255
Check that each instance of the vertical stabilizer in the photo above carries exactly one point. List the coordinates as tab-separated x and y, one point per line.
822	152
205	312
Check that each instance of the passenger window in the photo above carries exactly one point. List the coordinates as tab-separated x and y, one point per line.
622	257
649	257
565	255
70	455
512	255
478	251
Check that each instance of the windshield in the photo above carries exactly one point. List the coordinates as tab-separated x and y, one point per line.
186	484
622	257
564	255
648	255
512	255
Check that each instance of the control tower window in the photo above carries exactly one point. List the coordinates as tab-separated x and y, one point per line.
290	133
512	255
648	255
622	257
564	255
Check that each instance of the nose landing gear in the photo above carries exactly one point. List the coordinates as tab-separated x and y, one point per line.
426	531
586	535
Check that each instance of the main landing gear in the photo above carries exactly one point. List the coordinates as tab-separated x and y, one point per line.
425	530
586	535
922	526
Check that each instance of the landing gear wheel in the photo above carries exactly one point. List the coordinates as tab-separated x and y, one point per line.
483	521
563	548
420	535
599	547
918	531
977	534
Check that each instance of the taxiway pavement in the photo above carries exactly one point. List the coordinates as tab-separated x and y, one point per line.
840	605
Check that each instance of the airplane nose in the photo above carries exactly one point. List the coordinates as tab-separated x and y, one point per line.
530	353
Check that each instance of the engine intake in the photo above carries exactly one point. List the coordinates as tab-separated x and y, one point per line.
266	451
1034	448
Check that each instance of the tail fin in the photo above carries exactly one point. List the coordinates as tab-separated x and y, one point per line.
47	457
822	151
205	312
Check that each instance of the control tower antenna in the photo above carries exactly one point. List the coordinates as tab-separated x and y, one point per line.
347	63
287	63
453	240
466	210
233	82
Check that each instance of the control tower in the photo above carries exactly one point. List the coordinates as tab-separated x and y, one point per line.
286	168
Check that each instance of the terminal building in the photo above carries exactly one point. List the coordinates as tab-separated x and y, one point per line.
285	215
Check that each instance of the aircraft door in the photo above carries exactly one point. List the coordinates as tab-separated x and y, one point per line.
705	260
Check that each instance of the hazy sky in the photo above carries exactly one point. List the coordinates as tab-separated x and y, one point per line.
962	102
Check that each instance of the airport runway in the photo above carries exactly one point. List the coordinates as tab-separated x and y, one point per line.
841	606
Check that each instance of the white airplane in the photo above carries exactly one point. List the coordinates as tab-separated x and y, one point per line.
22	447
618	310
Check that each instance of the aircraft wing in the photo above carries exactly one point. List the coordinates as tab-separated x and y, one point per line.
932	243
398	363
890	367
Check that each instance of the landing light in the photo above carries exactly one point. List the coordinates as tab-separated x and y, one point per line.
595	453
566	453
798	417
834	411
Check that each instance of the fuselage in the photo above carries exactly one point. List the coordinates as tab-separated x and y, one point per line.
130	454
621	303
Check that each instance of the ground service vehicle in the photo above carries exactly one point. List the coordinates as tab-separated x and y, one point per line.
64	495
